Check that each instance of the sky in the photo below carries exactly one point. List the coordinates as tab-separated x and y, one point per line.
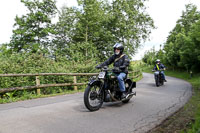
165	13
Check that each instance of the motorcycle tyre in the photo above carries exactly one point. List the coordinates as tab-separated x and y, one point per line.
162	82
157	83
126	101
86	100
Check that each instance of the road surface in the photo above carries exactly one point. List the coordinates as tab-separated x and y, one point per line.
67	114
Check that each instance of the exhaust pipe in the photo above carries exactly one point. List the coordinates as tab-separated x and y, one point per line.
113	98
130	95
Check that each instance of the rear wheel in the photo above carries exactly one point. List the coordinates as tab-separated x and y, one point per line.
157	82
128	84
161	80
126	101
93	97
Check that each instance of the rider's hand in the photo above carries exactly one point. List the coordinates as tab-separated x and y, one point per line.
122	67
116	69
98	67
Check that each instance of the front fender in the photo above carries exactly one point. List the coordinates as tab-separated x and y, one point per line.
156	73
94	82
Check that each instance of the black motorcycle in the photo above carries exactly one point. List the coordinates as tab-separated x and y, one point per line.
158	77
105	88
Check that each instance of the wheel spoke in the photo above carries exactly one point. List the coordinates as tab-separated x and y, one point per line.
94	96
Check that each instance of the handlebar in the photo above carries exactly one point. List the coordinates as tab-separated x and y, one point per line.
158	70
105	68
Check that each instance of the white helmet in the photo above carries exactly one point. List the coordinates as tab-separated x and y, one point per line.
158	60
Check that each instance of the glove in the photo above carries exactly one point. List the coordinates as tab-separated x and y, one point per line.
116	69
98	67
105	67
122	67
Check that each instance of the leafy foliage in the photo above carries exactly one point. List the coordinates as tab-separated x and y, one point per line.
102	24
180	45
182	49
37	63
32	31
82	36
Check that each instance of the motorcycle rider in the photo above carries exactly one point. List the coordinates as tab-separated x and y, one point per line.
121	63
159	66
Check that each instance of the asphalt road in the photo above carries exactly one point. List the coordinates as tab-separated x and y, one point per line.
67	114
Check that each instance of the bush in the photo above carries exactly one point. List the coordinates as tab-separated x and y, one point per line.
19	63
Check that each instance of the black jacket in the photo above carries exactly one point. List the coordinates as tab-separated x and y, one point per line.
122	63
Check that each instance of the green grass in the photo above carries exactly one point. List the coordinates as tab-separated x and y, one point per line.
187	119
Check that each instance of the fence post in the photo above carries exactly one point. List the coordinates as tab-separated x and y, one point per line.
75	81
38	83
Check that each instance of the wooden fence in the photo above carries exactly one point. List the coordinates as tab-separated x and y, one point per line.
38	86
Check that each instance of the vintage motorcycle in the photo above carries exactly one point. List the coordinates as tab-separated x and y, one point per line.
105	88
158	77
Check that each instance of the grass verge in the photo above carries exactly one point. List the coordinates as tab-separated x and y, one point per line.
28	96
187	119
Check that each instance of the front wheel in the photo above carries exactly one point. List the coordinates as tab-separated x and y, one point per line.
162	82
157	82
93	97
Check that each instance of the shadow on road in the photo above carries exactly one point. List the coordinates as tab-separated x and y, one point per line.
82	108
151	84
146	84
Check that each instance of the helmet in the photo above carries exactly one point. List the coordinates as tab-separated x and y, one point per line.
158	60
119	46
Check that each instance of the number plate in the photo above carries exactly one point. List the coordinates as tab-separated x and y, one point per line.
101	75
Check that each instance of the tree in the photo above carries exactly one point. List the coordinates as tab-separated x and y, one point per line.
64	32
32	31
179	46
190	52
130	23
79	26
150	56
102	24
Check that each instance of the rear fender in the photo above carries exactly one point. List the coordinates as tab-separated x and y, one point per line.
130	83
156	75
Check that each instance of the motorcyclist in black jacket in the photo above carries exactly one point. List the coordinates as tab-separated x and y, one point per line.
121	63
